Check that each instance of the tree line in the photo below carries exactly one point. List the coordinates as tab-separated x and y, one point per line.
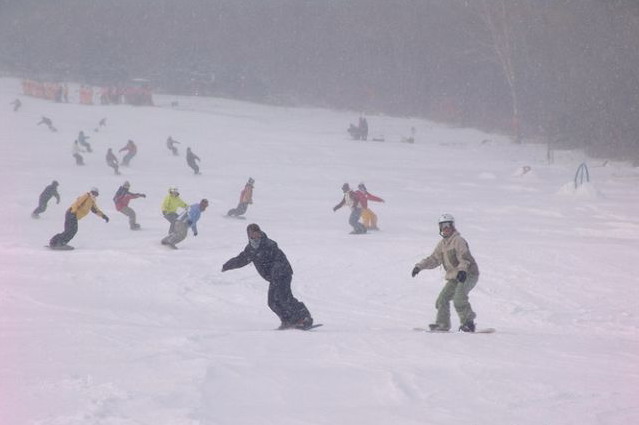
562	71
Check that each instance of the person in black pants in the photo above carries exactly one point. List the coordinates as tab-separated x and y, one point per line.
271	263
49	192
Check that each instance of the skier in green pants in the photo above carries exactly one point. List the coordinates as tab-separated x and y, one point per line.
462	275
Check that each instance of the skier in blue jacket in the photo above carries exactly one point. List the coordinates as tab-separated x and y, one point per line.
187	220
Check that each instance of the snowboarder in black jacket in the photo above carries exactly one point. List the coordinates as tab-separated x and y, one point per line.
49	192
271	263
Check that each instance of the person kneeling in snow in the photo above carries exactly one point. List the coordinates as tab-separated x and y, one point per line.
271	263
182	224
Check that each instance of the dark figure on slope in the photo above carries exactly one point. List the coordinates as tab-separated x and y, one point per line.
170	144
77	153
16	105
190	160
81	207
462	275
271	263
351	199
363	128
246	198
49	192
47	121
82	139
112	161
132	150
122	198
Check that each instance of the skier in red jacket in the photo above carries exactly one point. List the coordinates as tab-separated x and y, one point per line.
122	198
369	218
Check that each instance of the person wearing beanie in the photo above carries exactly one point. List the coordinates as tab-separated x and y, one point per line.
246	198
49	192
271	263
81	207
122	198
187	220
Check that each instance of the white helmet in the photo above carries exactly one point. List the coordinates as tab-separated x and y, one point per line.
173	189
446	218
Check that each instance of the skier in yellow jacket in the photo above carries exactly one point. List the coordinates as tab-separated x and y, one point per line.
81	207
170	205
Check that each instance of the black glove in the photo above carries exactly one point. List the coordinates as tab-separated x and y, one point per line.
334	209
224	268
415	271
194	233
461	276
106	218
142	195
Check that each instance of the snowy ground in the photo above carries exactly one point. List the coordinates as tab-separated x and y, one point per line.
123	331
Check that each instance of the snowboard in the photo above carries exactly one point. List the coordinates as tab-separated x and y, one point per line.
299	329
60	248
477	331
238	217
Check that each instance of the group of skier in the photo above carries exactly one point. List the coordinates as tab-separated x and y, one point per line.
452	252
357	201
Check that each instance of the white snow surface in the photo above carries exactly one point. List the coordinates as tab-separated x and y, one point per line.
123	331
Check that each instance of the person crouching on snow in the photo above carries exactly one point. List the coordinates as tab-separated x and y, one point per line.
187	220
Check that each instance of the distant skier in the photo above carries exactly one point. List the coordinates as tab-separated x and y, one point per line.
49	192
170	144
369	218
271	263
131	149
170	205
190	160
112	161
16	105
101	123
81	207
77	153
363	128
82	139
350	199
462	275
122	198
47	121
187	220
246	198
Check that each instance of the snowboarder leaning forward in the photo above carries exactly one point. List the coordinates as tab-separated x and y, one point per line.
271	263
351	199
81	207
246	198
462	275
187	220
49	192
172	202
122	198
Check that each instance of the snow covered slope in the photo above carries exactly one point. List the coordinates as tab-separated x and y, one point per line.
123	331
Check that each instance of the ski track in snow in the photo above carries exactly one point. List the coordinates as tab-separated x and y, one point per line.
123	331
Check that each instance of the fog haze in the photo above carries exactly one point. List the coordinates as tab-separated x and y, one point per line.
563	72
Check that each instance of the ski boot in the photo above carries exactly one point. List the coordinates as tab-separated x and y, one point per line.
468	326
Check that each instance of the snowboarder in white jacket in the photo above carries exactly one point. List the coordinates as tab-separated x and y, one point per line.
462	274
